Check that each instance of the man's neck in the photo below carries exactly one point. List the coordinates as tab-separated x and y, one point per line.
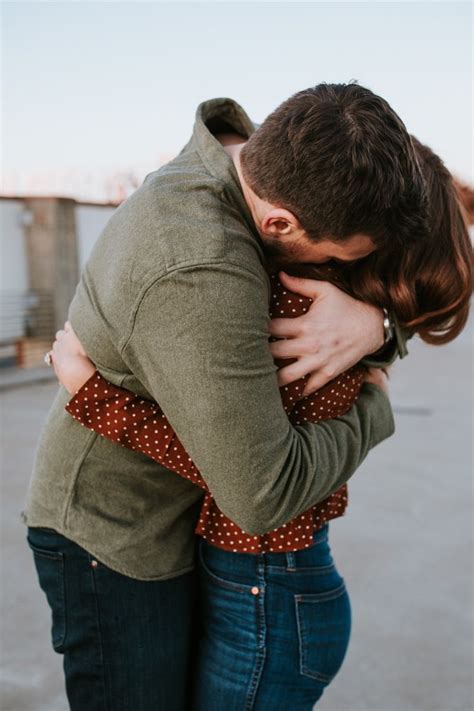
230	139
233	149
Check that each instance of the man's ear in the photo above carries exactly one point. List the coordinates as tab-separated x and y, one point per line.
279	222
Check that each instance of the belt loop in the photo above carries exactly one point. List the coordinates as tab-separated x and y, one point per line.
290	561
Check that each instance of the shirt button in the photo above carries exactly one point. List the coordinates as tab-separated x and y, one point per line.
94	564
255	591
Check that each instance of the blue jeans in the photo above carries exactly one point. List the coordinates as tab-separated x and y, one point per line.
275	628
126	643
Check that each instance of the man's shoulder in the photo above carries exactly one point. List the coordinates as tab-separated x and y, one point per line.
181	214
181	189
181	176
173	212
180	197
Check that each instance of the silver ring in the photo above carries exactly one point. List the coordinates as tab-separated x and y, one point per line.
47	358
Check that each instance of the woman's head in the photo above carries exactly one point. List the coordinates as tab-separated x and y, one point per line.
437	306
428	283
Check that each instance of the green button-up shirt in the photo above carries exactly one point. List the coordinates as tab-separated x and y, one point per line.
173	304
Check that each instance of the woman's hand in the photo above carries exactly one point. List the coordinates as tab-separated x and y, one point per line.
69	360
335	333
379	377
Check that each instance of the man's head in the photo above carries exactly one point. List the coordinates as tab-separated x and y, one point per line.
335	175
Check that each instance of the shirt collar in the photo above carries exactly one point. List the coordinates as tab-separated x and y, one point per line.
212	153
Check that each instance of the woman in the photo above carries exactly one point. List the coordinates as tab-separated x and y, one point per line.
275	611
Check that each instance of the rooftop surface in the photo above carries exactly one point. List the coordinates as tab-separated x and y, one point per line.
404	549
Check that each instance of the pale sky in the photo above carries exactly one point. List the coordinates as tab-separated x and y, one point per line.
104	86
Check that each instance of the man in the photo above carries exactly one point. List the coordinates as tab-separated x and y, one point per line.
173	304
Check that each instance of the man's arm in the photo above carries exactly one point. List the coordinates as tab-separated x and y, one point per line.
200	346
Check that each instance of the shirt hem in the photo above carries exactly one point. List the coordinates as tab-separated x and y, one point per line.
100	557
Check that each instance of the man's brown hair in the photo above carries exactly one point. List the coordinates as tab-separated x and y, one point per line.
342	161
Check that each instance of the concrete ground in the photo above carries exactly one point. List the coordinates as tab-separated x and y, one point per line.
404	549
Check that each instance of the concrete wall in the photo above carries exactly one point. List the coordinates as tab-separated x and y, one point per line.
90	221
44	244
53	264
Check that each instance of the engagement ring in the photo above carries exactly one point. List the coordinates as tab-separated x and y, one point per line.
47	358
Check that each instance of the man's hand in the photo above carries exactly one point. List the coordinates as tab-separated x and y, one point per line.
335	333
70	362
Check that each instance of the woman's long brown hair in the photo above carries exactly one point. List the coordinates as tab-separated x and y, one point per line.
427	284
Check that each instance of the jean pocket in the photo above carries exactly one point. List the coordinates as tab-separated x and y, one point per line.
214	577
50	569
324	627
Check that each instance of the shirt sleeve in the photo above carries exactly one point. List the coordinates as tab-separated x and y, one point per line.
128	419
200	347
136	423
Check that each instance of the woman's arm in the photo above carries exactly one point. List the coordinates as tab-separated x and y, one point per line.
115	413
120	416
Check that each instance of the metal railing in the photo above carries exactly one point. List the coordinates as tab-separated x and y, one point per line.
26	327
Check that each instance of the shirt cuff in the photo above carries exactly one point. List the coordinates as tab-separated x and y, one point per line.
76	404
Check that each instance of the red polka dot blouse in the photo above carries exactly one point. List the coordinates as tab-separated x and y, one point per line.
140	425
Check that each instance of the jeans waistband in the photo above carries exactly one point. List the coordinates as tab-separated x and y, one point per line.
306	557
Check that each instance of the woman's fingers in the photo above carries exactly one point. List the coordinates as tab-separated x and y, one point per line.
378	376
312	288
69	340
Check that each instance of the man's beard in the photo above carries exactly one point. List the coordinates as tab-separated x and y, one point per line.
276	256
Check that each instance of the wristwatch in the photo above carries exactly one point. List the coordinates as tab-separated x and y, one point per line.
388	328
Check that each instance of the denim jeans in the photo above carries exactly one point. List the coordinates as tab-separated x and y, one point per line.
275	628
126	643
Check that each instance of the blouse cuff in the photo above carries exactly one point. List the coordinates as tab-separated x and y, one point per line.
96	383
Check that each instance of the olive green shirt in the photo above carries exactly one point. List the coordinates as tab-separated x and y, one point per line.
173	304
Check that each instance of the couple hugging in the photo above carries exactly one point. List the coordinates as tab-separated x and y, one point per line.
231	331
